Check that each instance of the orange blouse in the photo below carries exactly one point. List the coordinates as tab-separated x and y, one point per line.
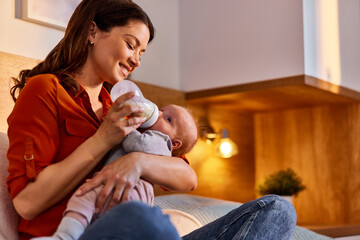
45	126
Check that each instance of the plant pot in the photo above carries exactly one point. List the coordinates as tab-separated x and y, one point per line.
288	198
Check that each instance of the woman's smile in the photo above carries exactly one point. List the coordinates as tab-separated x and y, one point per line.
124	70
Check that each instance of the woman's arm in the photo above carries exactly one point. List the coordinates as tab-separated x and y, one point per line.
57	180
172	173
122	175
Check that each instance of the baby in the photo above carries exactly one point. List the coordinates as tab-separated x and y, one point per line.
173	134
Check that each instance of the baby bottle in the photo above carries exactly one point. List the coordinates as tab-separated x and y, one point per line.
151	111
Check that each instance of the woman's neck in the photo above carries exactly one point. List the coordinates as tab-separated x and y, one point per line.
92	86
89	81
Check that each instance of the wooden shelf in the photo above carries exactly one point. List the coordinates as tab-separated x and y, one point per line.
335	230
285	93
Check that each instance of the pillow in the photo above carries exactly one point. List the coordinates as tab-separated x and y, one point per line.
9	219
202	208
208	209
183	222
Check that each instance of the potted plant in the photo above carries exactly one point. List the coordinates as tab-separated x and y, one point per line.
284	183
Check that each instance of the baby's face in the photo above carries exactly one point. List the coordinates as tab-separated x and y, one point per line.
171	119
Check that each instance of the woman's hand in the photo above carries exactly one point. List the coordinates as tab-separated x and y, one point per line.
116	125
123	174
118	177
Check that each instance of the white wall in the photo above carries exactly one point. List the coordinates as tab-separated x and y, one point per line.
239	41
24	38
160	63
207	43
349	13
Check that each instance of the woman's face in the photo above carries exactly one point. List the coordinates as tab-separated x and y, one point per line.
117	53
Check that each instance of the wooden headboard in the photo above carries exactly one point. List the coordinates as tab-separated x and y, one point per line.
10	65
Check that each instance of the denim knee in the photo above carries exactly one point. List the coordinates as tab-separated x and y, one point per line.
151	220
279	204
275	218
132	220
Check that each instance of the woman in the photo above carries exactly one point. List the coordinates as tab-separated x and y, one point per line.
71	124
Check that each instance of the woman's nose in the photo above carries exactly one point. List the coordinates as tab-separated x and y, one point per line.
135	60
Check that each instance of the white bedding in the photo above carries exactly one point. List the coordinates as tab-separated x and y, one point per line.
207	209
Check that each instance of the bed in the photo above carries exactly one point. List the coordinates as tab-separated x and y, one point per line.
190	210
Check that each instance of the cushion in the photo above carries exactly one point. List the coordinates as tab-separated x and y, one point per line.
9	219
202	208
183	222
208	209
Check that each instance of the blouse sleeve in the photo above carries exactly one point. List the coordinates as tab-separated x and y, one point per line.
33	131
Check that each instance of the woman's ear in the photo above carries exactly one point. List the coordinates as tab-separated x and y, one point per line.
176	143
92	32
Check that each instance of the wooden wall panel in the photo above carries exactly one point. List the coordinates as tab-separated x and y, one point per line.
232	178
275	94
321	144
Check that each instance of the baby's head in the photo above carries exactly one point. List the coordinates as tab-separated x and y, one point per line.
179	125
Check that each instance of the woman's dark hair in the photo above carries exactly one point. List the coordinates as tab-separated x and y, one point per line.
70	54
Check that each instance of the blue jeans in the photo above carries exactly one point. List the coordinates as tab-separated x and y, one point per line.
269	217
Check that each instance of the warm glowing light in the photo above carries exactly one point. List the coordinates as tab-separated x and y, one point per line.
211	136
226	148
208	141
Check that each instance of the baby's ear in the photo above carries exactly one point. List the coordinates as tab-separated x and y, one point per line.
176	143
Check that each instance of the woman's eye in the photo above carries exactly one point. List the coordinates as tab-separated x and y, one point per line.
130	46
168	119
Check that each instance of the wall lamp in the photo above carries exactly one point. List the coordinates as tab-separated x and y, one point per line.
224	146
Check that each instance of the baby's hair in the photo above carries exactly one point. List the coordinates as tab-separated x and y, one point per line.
188	142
